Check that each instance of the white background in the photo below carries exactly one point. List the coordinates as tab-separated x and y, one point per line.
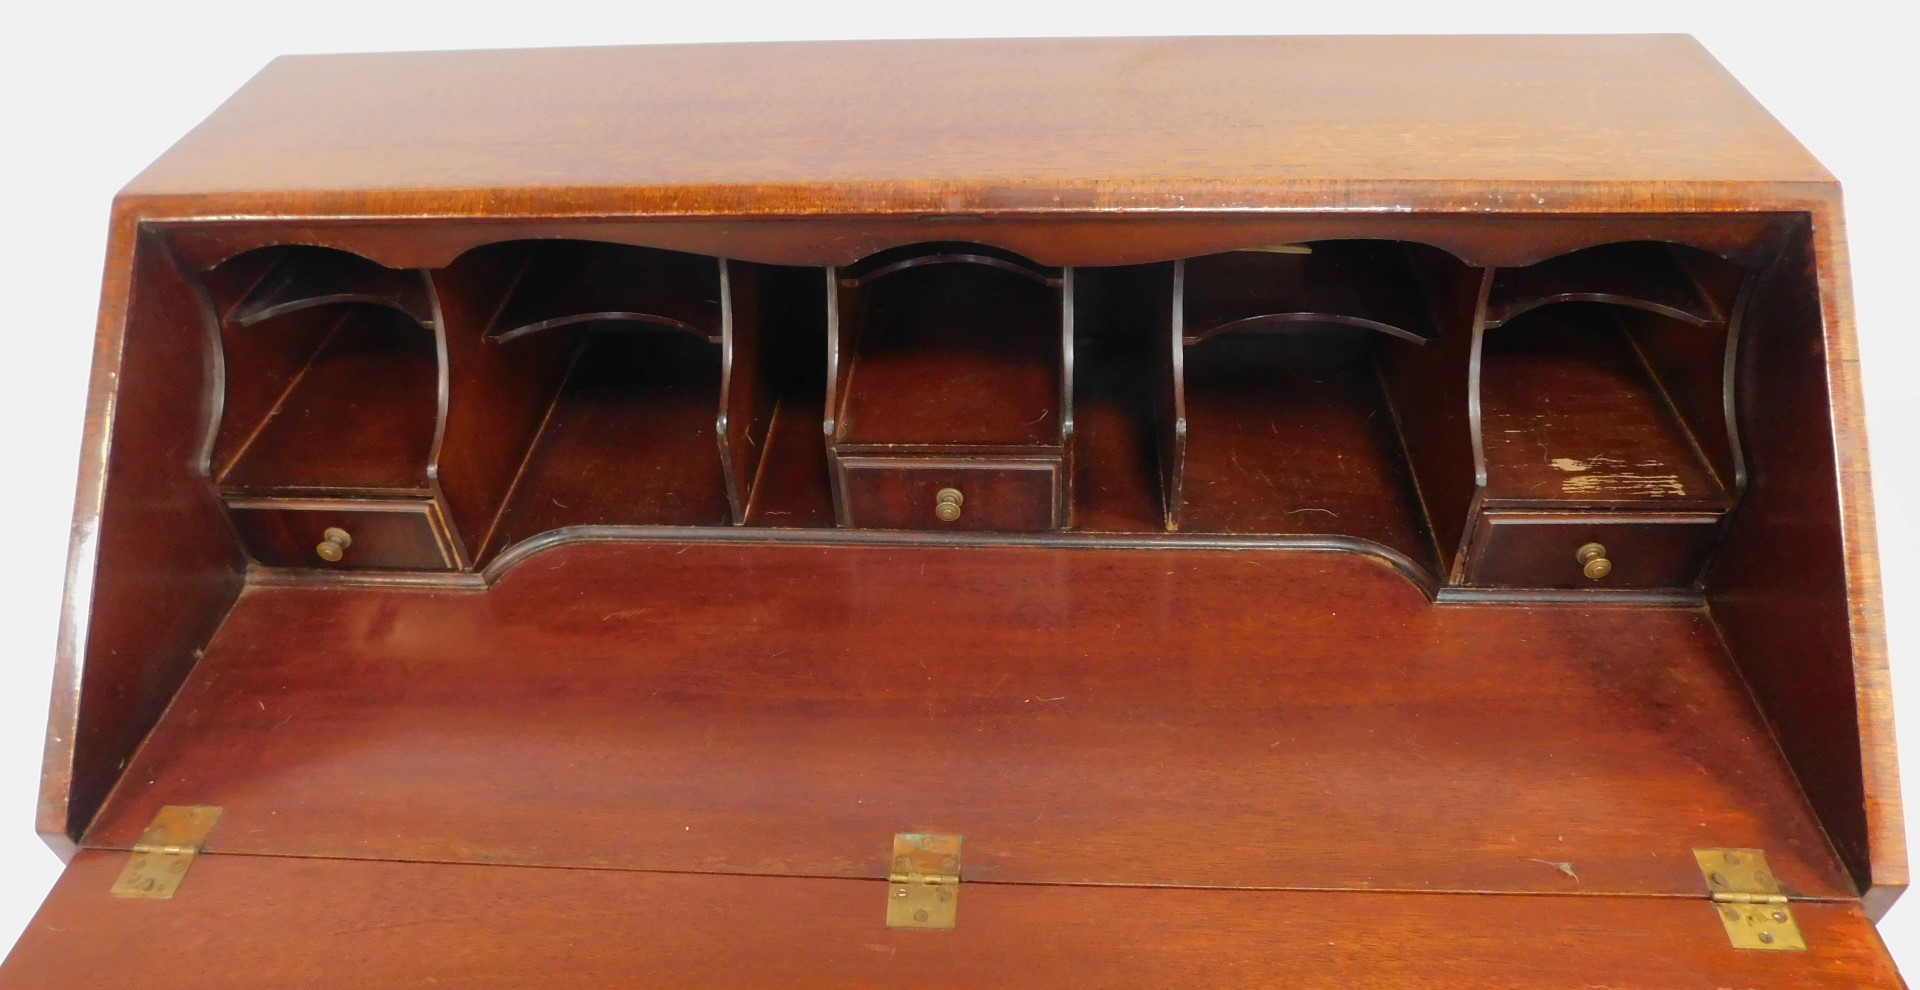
92	94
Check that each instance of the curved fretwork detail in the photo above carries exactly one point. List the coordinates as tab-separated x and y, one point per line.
1366	284
291	279
1669	280
568	283
878	266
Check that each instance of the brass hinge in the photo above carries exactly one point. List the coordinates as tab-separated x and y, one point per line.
1749	899
923	884
165	851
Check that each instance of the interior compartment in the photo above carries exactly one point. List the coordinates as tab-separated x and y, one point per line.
944	350
629	440
659	414
332	375
1282	418
1120	320
1290	432
1604	379
951	346
1571	413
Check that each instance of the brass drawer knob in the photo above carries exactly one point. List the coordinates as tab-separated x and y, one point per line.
333	544
946	506
1593	561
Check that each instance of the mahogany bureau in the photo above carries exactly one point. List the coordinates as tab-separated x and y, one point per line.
1334	512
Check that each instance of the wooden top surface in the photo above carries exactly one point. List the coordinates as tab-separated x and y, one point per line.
244	922
1193	718
1454	123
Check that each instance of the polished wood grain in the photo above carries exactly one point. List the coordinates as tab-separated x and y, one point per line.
241	922
1882	870
1102	125
257	364
1208	718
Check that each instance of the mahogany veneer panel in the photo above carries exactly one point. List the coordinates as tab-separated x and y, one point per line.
247	922
1106	124
1173	717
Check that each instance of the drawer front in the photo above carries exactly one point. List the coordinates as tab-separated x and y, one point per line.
404	536
906	493
1541	550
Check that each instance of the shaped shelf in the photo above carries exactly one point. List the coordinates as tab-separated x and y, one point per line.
566	283
304	277
1368	284
1676	282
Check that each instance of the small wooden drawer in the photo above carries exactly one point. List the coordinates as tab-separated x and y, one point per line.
1549	550
397	535
950	494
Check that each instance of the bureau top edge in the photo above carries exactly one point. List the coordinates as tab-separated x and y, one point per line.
1598	122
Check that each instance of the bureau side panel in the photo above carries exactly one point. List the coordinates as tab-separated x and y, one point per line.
1796	588
152	564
